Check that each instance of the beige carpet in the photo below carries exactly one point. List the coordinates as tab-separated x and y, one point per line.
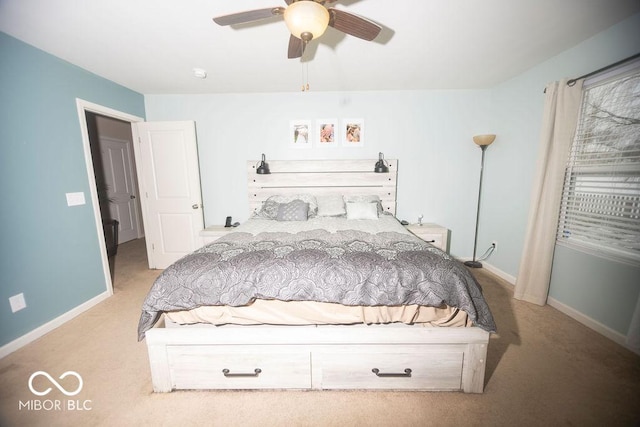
544	369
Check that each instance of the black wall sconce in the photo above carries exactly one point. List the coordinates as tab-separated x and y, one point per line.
263	169
381	166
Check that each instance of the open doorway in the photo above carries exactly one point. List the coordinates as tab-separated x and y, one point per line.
116	183
110	161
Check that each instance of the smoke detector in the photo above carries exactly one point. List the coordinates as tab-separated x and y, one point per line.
199	73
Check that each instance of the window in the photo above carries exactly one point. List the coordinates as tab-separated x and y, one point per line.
600	210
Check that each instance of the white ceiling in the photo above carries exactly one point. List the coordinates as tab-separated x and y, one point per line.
152	46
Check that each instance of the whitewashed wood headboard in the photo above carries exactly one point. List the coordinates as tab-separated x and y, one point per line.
346	177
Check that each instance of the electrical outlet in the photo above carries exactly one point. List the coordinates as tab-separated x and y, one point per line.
495	246
17	302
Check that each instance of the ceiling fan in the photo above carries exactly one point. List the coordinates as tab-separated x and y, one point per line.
307	20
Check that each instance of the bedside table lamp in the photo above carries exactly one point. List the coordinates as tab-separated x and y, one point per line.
483	142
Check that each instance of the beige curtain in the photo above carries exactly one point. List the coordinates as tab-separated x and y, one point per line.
561	107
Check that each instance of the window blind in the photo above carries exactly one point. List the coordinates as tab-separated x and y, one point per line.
600	209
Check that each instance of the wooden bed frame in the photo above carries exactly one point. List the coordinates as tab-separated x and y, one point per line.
383	357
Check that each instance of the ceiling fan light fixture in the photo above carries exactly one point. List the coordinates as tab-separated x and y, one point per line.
306	17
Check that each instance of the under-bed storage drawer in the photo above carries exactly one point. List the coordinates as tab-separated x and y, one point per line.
386	367
238	367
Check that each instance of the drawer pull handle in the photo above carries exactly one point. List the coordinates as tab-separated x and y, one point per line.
407	373
255	373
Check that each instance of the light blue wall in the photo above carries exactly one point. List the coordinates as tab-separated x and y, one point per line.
430	132
605	291
48	251
601	290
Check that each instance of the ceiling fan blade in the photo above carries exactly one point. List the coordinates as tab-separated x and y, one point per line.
353	25
249	16
295	47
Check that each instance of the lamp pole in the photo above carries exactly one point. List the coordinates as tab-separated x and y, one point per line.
474	263
483	141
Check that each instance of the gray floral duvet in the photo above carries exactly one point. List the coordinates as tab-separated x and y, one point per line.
347	266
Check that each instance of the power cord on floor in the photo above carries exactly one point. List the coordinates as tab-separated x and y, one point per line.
487	253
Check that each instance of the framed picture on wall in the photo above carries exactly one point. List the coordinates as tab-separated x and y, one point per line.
352	132
326	135
300	134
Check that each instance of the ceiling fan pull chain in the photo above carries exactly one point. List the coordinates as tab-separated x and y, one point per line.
302	67
305	73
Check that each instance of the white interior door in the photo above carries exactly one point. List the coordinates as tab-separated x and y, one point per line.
121	190
169	179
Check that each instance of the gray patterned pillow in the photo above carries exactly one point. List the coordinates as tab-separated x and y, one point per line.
307	198
295	210
269	210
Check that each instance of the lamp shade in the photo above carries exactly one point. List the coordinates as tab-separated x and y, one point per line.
305	16
484	139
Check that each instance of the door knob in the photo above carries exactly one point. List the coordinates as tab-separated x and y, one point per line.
195	206
132	196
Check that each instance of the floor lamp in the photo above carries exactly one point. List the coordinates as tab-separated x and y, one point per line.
483	142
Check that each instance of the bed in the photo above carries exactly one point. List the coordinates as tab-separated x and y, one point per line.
321	289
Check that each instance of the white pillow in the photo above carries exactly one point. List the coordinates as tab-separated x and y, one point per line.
362	198
366	198
331	205
362	210
269	210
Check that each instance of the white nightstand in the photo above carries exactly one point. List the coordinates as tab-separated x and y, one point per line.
435	234
214	232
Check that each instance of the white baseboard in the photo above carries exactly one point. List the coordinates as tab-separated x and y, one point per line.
501	274
51	325
614	336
